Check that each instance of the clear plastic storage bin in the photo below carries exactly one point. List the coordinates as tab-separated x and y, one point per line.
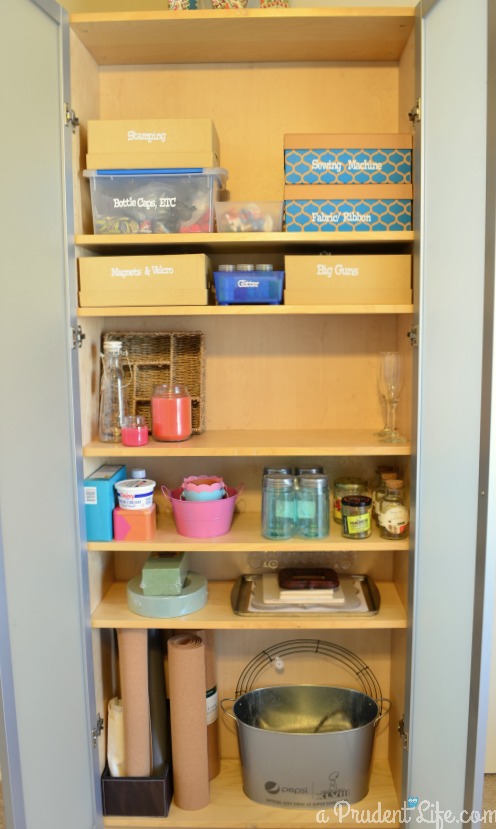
248	217
154	201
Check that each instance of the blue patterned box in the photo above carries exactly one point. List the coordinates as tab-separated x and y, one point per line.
347	159
345	208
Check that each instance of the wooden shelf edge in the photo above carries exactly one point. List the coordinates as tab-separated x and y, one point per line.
245	536
241	310
219	241
113	612
230	808
258	443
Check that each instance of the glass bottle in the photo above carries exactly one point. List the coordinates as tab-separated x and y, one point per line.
357	516
380	492
393	515
113	393
278	506
312	499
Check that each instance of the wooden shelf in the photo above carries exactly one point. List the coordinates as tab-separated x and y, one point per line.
245	536
230	808
241	310
246	35
228	242
113	612
260	443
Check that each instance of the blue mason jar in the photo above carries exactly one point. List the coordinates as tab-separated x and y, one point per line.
278	505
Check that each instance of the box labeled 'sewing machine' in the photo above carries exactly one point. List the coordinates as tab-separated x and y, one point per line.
347	159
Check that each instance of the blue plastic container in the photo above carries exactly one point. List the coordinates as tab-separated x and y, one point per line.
249	288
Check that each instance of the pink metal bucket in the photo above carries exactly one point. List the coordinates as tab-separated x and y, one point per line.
203	519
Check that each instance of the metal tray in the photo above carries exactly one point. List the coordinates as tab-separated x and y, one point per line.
244	587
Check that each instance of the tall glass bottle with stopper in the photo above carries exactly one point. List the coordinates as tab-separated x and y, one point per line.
113	393
393	513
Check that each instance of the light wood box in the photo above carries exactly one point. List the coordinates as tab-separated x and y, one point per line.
126	281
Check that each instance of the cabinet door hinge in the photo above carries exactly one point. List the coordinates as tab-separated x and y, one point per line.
415	114
403	734
71	119
77	337
413	336
97	730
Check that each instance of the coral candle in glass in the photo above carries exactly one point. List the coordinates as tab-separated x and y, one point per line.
171	413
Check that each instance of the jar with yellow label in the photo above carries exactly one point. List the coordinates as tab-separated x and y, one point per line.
344	487
357	516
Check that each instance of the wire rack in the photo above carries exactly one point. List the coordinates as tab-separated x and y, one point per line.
275	655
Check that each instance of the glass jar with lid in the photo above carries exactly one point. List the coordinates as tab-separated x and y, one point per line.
171	413
312	505
394	514
357	516
278	506
343	487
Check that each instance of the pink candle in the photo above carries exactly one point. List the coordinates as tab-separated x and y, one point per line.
134	431
171	413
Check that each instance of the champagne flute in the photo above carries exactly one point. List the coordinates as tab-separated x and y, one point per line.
390	385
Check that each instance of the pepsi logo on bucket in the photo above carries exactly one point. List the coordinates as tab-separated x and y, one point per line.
281	795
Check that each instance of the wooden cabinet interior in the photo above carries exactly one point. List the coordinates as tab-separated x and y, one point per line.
283	385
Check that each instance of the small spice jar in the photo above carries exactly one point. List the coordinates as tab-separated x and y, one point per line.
278	506
357	516
394	516
134	431
344	487
312	500
171	413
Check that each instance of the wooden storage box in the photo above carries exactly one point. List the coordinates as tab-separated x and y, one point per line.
164	357
152	135
348	207
348	279
141	281
348	159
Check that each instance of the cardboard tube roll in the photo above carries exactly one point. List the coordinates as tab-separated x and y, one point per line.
187	691
207	637
133	670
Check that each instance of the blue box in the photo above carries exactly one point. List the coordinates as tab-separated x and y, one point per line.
348	159
100	500
345	208
249	287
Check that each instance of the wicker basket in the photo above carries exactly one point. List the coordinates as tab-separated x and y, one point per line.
164	357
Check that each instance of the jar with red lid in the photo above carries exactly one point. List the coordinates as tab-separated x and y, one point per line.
171	413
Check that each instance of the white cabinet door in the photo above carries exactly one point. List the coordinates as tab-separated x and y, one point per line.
444	740
44	632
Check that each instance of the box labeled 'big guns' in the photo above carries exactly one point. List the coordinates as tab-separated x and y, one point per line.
348	279
347	159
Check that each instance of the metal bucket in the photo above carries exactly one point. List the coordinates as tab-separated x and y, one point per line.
305	746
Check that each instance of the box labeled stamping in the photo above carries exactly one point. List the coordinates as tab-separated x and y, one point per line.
152	135
348	159
148	280
348	279
344	208
100	500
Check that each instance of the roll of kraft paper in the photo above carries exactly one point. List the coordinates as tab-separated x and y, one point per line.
187	690
207	637
133	670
